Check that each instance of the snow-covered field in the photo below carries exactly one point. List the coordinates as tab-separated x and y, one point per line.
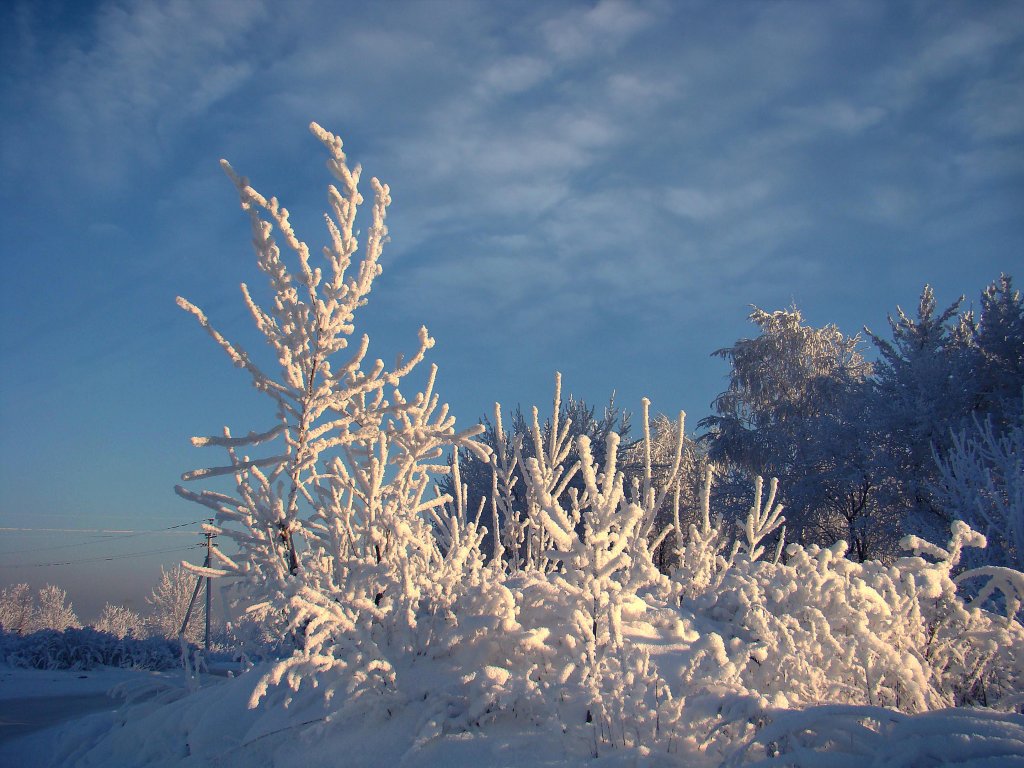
151	720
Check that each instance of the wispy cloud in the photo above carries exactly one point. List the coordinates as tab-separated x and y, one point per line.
120	89
554	156
601	29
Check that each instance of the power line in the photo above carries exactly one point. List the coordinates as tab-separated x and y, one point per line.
106	535
102	558
102	530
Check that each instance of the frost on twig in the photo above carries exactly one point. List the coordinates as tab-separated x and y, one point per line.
761	521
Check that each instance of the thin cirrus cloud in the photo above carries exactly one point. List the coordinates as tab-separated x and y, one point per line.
601	29
733	153
608	145
116	91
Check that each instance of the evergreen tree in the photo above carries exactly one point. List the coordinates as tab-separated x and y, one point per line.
997	352
981	481
922	393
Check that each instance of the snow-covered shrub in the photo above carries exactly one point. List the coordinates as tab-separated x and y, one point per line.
86	648
765	636
699	549
120	621
504	502
840	735
602	545
586	558
336	548
250	641
822	628
684	505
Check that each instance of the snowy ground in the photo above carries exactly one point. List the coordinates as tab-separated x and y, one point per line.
31	699
67	719
41	711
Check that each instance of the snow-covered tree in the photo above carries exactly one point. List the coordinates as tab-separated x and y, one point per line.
16	609
795	410
332	518
120	621
981	481
922	391
54	611
169	600
997	352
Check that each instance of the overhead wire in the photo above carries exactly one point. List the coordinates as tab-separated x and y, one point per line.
102	558
98	539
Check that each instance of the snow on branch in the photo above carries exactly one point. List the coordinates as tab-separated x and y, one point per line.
762	521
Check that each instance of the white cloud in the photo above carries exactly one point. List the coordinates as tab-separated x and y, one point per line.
701	205
947	51
512	75
601	29
891	203
837	115
118	90
994	109
635	91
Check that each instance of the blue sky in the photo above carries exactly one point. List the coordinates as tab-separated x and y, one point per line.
597	188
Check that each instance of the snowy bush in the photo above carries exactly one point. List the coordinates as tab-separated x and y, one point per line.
822	628
120	621
87	648
836	734
334	530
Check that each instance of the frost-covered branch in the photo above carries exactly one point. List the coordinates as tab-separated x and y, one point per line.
337	507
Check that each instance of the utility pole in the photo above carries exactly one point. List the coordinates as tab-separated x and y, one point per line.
209	581
208	531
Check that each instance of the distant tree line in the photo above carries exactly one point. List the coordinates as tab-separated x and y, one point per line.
22	613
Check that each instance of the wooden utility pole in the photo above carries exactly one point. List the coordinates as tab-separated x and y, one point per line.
208	531
209	581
